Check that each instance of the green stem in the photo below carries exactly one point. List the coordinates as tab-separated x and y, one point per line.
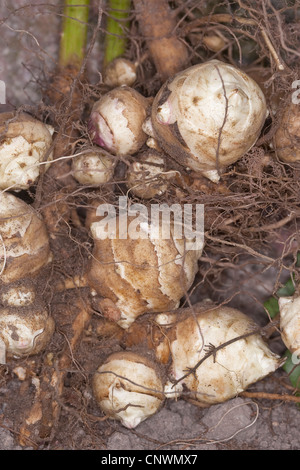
115	39
74	33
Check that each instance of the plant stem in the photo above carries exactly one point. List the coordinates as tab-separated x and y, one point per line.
115	40
74	33
270	396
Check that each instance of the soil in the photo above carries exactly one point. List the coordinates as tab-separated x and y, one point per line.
29	37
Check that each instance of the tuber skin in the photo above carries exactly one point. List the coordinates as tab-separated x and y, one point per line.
140	275
289	313
209	369
25	145
25	324
116	121
208	116
146	177
24	243
119	72
128	387
93	167
24	332
287	136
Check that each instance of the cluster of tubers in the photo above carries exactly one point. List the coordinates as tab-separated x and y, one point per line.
25	152
204	118
130	387
25	324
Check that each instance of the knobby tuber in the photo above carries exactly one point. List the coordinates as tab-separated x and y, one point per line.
25	149
157	25
147	274
128	387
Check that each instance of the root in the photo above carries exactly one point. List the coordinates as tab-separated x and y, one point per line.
270	396
226	18
44	415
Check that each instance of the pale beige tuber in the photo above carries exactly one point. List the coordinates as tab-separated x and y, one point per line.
93	167
24	242
128	387
287	136
25	149
208	116
149	273
119	72
227	371
25	324
116	121
147	177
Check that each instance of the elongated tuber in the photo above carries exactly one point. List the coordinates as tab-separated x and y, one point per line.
25	324
289	312
287	136
216	354
157	24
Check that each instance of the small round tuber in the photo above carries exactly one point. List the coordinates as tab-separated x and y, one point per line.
119	72
146	177
116	121
127	387
25	324
214	42
93	167
21	337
